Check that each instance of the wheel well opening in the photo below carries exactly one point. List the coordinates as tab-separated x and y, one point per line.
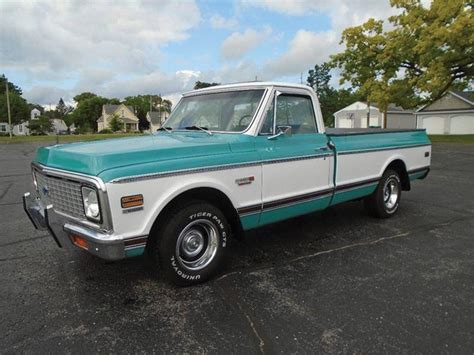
400	167
207	194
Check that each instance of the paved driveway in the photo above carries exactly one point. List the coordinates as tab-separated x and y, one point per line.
336	281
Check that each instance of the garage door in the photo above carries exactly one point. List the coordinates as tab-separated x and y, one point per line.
433	124
462	124
344	123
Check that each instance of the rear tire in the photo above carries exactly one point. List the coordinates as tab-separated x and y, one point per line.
190	246
385	200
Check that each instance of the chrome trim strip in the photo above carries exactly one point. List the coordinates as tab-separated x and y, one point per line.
153	176
360	151
96	181
293	200
107	225
256	114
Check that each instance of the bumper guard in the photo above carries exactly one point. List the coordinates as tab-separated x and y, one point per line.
103	245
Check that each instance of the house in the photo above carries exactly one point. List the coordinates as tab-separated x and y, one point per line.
355	116
21	129
4	128
58	126
156	119
34	114
453	113
125	113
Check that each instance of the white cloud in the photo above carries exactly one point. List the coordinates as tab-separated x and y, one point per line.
309	48
47	95
295	7
238	44
306	49
219	22
45	38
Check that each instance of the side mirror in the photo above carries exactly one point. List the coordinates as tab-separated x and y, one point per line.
281	131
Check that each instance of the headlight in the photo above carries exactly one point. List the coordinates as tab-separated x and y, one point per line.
91	203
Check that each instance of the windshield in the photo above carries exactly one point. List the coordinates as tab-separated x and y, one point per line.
225	112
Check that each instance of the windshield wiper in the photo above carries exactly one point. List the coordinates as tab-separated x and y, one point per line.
167	129
199	128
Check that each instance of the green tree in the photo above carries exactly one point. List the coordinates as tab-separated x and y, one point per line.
12	88
425	52
330	99
143	103
83	96
19	108
318	78
41	126
116	123
202	84
68	121
62	109
88	110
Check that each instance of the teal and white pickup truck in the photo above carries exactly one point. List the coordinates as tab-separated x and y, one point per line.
229	158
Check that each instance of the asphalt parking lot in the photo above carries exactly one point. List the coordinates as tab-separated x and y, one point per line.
336	281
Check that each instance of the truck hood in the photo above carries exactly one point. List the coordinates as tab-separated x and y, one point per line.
96	157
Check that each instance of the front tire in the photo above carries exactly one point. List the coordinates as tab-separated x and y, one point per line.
190	246
385	200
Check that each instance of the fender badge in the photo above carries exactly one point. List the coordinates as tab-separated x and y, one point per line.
245	181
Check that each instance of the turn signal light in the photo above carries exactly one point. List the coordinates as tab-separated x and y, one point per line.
131	201
80	241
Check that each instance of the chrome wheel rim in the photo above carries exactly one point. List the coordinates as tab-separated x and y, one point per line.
390	193
197	244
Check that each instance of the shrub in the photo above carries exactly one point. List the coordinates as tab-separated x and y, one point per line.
106	131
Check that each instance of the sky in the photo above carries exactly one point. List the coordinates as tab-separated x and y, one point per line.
58	49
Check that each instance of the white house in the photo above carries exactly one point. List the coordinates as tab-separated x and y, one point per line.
125	113
453	113
4	128
35	113
156	119
355	116
58	126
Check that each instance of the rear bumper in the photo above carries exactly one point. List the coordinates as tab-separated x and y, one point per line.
62	230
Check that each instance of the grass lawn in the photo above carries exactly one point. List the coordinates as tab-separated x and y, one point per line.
461	138
64	139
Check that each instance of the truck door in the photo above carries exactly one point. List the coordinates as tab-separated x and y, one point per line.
296	161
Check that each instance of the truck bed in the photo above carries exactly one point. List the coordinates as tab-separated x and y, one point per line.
359	131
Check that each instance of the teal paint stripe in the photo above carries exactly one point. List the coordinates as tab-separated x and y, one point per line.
417	175
250	221
343	196
286	212
134	252
382	140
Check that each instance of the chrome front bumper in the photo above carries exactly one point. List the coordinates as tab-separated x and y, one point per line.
105	246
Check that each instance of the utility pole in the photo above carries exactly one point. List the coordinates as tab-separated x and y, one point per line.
8	109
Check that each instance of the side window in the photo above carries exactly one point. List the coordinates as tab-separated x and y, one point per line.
295	111
267	127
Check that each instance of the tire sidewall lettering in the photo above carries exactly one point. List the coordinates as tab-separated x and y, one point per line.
216	220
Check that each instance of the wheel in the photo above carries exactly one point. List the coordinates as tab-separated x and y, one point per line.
190	247
385	200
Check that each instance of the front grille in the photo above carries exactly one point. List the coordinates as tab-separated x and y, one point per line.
64	195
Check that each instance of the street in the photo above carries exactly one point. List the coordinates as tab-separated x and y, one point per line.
337	281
